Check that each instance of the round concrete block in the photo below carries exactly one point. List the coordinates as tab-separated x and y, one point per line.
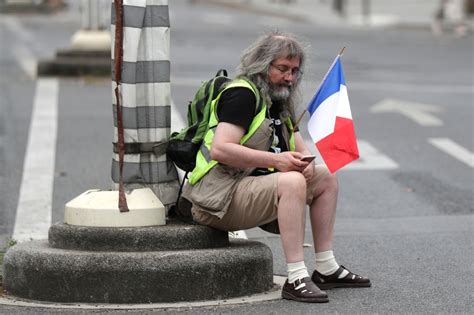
172	236
100	208
33	270
91	40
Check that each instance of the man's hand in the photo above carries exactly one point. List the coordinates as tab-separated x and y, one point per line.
308	172
290	161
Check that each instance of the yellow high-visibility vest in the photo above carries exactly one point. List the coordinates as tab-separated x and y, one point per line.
204	163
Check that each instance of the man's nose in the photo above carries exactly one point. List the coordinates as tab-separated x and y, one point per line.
289	76
288	79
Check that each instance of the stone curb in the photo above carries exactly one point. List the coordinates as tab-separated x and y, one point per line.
33	270
271	295
172	236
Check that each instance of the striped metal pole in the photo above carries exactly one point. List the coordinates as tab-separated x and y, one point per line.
145	99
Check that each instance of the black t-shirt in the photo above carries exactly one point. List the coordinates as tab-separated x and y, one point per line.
237	106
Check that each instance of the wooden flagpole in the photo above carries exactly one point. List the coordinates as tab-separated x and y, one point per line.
322	81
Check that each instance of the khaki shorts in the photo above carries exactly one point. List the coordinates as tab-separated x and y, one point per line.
255	202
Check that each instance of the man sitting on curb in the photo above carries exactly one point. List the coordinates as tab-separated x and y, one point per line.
249	170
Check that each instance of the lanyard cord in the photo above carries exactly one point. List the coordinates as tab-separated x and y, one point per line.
118	78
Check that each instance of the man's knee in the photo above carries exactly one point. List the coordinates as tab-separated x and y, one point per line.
331	182
291	182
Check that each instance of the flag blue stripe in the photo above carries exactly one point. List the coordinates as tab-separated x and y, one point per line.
331	85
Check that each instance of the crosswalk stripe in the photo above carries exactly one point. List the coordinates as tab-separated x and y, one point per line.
33	215
455	150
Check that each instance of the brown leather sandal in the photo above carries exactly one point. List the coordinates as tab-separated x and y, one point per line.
303	290
351	280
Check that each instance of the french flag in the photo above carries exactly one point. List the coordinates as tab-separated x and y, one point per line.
330	125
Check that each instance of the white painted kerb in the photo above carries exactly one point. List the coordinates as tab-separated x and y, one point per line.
100	208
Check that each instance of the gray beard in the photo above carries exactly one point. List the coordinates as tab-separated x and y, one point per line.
280	92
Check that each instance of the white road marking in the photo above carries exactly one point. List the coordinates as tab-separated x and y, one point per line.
33	215
371	159
238	234
419	113
177	123
455	150
23	55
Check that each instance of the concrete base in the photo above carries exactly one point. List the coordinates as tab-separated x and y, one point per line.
172	236
267	296
33	270
87	40
100	208
77	62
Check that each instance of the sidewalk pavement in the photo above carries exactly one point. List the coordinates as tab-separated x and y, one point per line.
358	13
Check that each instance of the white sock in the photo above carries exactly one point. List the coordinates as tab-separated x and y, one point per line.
326	264
297	271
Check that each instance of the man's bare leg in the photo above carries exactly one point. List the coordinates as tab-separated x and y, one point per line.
329	273
291	214
323	213
291	220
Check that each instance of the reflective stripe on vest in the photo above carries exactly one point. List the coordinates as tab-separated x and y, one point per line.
292	134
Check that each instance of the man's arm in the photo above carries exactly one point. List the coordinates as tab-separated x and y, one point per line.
300	145
302	148
226	149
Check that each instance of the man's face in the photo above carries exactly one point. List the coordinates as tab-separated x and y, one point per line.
283	73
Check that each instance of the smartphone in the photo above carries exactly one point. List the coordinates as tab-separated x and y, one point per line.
308	158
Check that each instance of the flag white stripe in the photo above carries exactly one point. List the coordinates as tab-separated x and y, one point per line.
343	107
322	122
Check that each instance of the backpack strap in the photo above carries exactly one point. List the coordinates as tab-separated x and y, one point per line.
222	72
157	148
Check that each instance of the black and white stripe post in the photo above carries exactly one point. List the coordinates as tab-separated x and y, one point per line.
146	180
145	105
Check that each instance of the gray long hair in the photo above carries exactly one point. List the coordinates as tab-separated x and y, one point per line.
256	59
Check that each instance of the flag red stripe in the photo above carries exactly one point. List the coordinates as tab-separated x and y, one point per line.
340	147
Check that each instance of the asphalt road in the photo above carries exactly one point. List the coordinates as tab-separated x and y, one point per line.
405	211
